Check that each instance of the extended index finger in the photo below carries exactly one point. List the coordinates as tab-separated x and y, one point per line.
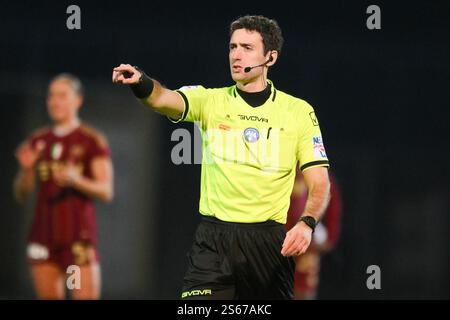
124	67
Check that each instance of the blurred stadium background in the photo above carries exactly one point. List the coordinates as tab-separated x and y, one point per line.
381	97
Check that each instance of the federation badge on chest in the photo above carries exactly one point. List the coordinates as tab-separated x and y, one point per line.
251	135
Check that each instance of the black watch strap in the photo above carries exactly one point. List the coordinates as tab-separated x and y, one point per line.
309	221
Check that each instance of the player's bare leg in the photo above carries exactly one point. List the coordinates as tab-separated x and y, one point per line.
308	266
48	281
90	280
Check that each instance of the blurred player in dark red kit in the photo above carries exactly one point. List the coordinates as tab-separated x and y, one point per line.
72	164
324	238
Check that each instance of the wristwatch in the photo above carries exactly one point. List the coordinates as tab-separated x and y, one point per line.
309	221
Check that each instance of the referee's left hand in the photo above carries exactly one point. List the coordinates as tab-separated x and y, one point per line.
297	240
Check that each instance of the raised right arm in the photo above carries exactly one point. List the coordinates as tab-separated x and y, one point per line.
149	91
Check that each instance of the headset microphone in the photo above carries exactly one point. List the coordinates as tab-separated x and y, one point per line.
248	69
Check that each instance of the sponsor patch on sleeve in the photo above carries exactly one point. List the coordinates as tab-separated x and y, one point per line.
319	148
184	88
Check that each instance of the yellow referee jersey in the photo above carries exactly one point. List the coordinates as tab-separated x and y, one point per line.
250	153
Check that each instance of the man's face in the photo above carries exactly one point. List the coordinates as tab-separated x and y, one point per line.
62	101
246	50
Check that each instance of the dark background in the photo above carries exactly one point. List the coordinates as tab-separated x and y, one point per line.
381	97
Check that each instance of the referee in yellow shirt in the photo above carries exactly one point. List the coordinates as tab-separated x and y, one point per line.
253	137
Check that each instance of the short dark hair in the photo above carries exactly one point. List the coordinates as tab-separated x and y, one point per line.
74	82
268	28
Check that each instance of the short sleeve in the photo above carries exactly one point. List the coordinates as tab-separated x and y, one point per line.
310	148
100	147
194	98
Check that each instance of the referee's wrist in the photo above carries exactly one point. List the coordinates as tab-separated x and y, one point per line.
310	221
144	87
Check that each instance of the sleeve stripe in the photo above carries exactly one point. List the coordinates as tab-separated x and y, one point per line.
186	108
315	163
186	103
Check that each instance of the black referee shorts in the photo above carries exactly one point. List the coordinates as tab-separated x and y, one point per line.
238	261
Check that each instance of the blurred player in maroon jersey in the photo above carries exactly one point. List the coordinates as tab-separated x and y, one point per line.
72	164
324	239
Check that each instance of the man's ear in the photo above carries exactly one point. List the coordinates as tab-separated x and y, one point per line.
272	58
